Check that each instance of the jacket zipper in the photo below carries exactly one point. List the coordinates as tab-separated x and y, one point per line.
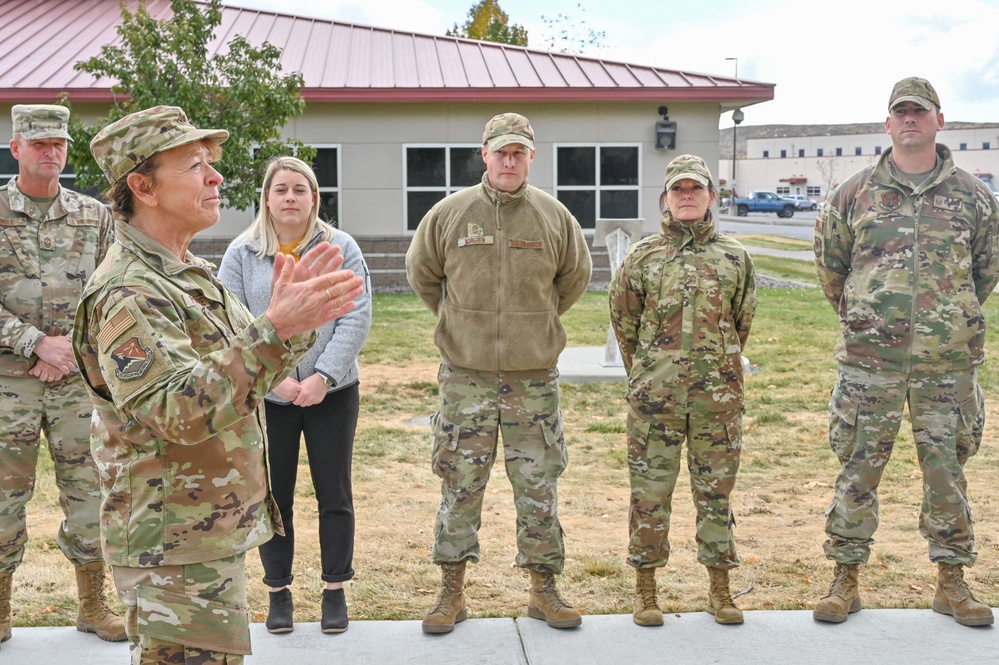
917	211
499	291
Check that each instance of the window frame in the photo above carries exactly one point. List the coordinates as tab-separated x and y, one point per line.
597	187
255	208
448	188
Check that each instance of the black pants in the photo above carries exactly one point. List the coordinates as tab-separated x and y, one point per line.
329	440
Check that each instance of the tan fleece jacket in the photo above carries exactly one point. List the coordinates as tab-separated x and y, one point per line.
498	270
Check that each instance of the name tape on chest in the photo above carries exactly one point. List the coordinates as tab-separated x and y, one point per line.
475	240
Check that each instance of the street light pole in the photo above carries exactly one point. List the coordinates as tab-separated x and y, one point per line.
737	117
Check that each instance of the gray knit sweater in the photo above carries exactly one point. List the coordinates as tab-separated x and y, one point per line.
338	342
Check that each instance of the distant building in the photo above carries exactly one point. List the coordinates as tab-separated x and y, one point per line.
814	164
397	117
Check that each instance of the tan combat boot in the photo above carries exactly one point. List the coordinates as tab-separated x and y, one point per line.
546	603
953	597
94	614
720	603
449	608
6	582
647	611
843	598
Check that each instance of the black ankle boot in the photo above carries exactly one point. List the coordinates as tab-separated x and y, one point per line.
279	615
334	611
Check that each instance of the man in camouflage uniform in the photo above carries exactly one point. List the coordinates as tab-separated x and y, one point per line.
906	253
177	368
52	240
498	264
681	308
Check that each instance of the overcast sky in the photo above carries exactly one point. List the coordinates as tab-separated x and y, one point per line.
832	62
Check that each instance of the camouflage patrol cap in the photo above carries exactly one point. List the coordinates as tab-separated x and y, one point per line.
123	145
40	121
507	128
687	167
914	89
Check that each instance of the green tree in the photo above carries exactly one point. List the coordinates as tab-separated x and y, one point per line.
571	34
486	21
240	89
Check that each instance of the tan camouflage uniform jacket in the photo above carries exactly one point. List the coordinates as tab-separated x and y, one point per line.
177	367
908	270
44	264
498	270
681	308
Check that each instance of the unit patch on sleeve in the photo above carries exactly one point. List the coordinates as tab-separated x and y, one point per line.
132	359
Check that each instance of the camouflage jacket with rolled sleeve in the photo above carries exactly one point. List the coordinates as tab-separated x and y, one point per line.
44	264
907	270
681	307
177	368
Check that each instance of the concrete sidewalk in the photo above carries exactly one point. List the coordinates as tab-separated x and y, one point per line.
881	637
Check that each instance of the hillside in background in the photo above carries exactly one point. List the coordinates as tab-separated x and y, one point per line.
747	132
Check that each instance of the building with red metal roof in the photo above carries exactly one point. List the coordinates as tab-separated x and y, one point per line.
397	116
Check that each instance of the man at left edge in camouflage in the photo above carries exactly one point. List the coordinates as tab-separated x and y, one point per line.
51	240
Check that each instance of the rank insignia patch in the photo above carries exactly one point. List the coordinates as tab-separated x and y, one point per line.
132	359
949	203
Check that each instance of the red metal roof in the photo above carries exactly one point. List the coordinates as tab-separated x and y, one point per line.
345	62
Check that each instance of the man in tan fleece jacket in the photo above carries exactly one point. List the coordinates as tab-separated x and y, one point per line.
499	263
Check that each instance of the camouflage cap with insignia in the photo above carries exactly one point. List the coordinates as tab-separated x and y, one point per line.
507	128
40	121
687	167
123	145
916	90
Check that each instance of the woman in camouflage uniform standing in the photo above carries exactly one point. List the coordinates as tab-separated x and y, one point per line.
681	307
177	369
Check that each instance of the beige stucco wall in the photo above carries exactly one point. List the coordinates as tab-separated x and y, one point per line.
371	139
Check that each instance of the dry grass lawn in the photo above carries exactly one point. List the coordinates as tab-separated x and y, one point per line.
783	487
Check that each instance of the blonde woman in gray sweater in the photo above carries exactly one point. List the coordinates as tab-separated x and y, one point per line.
318	401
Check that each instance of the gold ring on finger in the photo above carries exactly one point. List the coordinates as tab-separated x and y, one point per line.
328	294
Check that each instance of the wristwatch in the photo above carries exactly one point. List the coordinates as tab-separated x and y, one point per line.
327	380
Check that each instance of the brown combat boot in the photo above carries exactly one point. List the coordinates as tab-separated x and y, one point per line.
94	614
546	603
6	582
647	611
449	608
720	603
843	598
953	597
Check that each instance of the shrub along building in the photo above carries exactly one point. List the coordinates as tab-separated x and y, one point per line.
397	117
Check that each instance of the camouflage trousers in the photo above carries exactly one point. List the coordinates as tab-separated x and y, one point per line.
475	407
947	415
714	447
194	614
62	411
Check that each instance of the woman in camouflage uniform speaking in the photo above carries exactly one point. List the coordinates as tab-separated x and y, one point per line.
681	307
177	369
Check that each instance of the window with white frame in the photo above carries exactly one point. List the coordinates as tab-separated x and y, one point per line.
783	191
326	166
814	190
598	181
433	171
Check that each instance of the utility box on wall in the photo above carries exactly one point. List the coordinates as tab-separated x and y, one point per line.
665	135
